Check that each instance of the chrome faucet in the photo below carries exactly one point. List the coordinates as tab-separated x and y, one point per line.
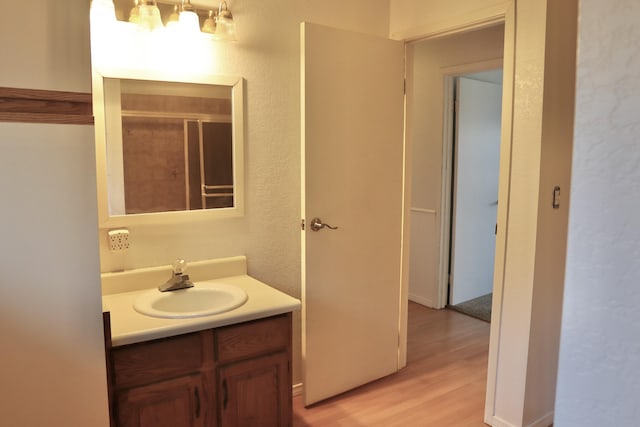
178	279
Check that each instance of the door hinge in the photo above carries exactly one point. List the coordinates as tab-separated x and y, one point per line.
302	224
405	87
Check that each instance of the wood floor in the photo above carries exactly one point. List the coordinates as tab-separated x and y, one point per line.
442	385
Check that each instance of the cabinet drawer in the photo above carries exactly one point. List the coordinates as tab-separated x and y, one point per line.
253	338
153	361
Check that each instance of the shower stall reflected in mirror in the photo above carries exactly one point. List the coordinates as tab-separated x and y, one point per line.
209	151
176	163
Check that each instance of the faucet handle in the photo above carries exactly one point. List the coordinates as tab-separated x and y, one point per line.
179	267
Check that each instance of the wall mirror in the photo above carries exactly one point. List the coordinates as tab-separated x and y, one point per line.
168	150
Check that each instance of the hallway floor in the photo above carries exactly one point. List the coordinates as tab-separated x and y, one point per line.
442	385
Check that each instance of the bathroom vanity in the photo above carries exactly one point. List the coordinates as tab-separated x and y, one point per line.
226	369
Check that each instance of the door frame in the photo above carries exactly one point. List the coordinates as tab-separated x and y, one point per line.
505	14
449	75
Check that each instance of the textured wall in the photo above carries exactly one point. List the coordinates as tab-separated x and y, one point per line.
598	380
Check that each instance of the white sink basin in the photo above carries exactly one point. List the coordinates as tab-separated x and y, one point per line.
204	299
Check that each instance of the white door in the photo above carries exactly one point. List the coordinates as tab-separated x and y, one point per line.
352	178
475	201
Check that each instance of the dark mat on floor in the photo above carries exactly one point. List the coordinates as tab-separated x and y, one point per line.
479	308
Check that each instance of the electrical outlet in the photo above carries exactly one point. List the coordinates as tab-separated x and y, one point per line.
118	240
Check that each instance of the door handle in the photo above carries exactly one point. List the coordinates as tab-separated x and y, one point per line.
317	225
197	396
225	394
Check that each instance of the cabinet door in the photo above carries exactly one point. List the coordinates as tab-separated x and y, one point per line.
255	392
174	403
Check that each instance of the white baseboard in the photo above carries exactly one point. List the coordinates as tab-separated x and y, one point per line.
421	300
544	421
499	422
296	389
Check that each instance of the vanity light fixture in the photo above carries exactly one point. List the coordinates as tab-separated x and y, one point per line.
209	25
225	26
134	16
149	15
189	21
174	17
102	11
146	15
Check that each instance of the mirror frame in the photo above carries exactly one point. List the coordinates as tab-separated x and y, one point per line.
105	219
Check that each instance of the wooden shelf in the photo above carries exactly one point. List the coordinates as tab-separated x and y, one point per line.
45	106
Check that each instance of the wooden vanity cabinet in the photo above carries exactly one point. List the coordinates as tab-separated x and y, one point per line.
233	376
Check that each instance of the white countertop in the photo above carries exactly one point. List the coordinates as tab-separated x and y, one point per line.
128	326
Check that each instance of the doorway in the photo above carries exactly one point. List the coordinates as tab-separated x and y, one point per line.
432	65
474	198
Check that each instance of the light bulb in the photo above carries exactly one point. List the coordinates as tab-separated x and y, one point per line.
209	25
149	16
102	12
174	17
134	16
189	21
